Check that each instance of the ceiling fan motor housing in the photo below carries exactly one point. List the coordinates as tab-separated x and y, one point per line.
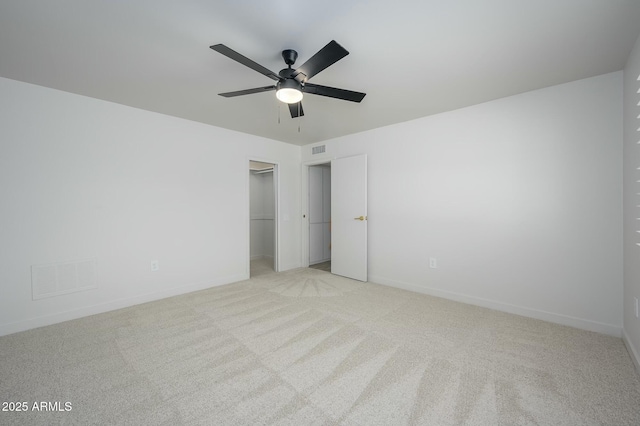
286	73
289	83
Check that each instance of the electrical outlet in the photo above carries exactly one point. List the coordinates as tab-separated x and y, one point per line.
433	263
155	265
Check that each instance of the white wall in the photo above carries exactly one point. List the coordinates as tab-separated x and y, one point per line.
518	199
632	201
81	178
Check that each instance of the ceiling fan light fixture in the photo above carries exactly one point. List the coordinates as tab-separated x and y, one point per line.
289	96
289	91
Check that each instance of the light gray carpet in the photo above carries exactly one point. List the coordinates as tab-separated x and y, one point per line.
305	347
261	266
324	266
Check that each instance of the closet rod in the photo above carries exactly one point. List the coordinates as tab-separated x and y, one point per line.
262	171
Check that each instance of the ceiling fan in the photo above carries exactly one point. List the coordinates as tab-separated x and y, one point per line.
292	83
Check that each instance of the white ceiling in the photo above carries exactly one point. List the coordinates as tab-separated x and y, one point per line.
412	58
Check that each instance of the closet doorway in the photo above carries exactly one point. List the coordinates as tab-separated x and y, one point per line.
263	218
320	216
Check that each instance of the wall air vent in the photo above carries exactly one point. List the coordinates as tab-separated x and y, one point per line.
318	149
55	279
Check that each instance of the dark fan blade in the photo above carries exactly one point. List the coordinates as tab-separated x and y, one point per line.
296	110
332	92
328	55
247	91
221	48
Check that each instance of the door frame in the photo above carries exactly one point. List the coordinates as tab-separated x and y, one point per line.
304	198
276	214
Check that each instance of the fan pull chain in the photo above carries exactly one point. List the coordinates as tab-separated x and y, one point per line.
278	114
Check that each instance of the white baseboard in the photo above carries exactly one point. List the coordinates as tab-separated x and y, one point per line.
31	323
580	323
633	351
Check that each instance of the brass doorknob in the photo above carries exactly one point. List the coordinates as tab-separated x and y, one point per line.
360	218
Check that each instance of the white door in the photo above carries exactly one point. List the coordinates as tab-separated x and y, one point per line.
349	217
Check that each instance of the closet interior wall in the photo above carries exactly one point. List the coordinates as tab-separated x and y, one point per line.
319	214
262	205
